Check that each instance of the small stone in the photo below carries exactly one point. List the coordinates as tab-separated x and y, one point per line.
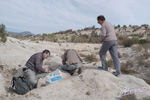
88	93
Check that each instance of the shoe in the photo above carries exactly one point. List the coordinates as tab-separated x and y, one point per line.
71	72
115	73
74	72
80	70
101	68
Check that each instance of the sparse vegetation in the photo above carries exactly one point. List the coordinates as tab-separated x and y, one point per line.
80	39
91	34
92	38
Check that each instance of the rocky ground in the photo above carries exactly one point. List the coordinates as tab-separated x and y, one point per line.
92	84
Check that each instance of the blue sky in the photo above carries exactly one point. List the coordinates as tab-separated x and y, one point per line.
48	16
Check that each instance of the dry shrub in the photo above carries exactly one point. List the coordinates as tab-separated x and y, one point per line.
141	59
37	41
110	63
147	81
147	64
146	98
138	48
129	97
125	70
91	58
63	49
126	42
119	55
82	55
96	48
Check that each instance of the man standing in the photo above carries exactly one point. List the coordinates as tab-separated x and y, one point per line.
33	66
71	62
109	40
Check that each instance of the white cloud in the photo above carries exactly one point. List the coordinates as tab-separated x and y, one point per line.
47	16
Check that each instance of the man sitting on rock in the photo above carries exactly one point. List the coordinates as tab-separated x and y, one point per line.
33	66
72	63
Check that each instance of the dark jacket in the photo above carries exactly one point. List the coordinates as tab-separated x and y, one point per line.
35	62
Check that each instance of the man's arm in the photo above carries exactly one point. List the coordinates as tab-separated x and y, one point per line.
39	63
103	35
64	59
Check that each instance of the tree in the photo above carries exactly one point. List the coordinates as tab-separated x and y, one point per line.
118	26
124	26
3	33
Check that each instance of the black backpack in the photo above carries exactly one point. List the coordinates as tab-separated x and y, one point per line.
21	85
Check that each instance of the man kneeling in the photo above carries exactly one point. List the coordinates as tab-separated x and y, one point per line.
33	67
72	63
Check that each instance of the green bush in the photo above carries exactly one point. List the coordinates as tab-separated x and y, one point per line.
3	34
142	41
135	40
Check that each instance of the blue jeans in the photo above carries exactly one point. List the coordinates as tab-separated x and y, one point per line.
33	76
71	67
112	47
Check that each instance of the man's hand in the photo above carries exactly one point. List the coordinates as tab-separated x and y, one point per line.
47	71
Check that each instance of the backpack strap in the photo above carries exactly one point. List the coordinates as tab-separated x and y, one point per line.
12	82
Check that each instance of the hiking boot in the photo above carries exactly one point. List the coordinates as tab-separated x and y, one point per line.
71	71
80	70
101	68
116	74
76	71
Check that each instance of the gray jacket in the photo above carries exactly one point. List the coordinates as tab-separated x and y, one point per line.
108	32
35	62
71	57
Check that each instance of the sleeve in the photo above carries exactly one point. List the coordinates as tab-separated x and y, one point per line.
103	35
39	63
64	59
79	57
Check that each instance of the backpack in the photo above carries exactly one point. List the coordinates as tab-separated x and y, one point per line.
21	84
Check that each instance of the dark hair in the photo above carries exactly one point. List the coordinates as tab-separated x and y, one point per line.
101	17
46	51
